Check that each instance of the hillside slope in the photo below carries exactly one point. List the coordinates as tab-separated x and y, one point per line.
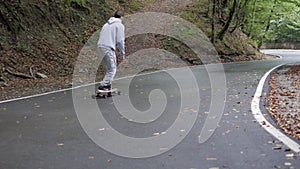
45	37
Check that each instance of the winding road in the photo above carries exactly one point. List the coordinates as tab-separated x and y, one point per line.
47	132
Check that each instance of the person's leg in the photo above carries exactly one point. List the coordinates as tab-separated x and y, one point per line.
110	67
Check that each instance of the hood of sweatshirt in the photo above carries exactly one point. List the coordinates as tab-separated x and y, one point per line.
113	20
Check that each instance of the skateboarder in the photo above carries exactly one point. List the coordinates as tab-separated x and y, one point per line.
112	36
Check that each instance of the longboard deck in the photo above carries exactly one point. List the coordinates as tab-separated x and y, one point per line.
107	93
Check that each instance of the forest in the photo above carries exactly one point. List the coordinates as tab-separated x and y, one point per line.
262	20
273	21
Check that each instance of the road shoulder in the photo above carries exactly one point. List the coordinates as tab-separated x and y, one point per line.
283	98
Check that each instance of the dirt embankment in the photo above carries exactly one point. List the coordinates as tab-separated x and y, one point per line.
44	38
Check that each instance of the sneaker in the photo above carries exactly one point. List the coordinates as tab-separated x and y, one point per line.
106	87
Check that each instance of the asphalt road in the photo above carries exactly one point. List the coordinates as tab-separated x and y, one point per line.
51	131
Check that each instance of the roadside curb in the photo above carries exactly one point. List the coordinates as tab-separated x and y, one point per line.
255	108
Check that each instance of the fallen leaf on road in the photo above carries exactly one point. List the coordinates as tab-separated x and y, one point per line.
277	147
211	159
287	164
162	149
60	144
289	155
155	134
37	105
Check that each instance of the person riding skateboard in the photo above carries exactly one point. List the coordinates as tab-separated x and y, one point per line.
112	36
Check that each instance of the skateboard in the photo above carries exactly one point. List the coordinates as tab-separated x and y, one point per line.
107	93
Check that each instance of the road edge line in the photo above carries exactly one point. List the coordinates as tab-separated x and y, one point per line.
72	88
262	120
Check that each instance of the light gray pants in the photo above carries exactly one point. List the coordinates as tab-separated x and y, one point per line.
109	65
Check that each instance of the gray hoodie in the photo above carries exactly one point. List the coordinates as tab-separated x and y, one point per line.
112	35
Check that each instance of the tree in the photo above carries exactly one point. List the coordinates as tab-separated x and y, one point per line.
287	27
267	27
240	15
252	18
272	20
229	20
213	22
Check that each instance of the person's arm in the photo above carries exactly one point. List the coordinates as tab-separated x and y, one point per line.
121	41
121	47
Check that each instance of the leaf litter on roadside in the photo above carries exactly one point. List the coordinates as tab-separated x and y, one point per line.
284	98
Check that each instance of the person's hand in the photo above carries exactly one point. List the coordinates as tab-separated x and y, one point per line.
123	59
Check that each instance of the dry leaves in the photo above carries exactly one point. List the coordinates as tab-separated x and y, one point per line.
284	98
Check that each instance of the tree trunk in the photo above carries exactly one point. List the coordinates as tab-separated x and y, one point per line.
231	16
268	24
208	9
240	15
213	21
253	19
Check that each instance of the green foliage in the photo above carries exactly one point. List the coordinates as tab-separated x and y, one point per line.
188	15
23	47
287	27
135	4
78	2
273	20
194	15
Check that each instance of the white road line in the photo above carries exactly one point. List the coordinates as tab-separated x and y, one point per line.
38	95
264	123
72	88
